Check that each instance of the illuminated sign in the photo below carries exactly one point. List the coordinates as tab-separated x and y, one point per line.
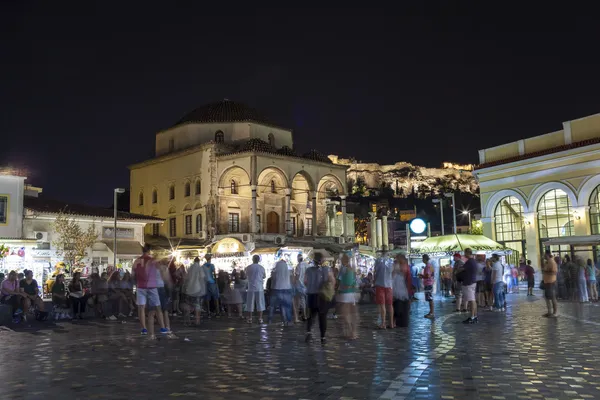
418	226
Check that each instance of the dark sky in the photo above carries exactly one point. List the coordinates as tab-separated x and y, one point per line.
86	85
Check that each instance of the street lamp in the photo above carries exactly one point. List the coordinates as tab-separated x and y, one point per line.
117	191
469	214
451	195
435	201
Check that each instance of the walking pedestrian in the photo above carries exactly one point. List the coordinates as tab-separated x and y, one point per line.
212	289
530	274
402	291
470	285
489	286
281	292
383	290
194	290
591	280
255	299
498	288
457	278
549	271
582	281
428	279
144	274
480	288
320	283
300	297
347	298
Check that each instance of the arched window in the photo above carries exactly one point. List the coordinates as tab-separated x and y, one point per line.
198	186
234	187
509	221
198	223
273	187
219	137
595	211
154	196
554	215
271	139
187	189
172	192
141	199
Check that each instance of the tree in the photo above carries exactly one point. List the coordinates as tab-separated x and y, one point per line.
73	241
360	186
360	229
476	227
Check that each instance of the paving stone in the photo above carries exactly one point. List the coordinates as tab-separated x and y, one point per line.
515	355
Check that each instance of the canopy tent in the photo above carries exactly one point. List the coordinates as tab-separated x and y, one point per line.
449	244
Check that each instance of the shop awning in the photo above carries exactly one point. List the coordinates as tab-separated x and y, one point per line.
125	247
587	240
449	244
266	250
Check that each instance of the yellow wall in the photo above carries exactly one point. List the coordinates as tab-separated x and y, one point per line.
501	152
585	128
543	142
172	171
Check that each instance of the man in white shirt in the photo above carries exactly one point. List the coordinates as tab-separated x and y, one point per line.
281	292
255	273
300	298
498	283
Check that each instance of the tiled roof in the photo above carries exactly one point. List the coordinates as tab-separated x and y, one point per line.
257	145
260	146
287	151
225	111
44	205
316	156
539	153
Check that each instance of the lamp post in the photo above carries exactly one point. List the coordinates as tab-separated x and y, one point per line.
469	214
116	192
441	201
451	195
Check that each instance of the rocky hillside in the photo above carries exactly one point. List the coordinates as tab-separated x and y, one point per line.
403	178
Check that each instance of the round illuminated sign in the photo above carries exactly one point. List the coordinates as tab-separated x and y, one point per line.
417	225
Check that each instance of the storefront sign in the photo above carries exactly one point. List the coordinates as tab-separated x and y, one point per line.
42	253
122	233
406	215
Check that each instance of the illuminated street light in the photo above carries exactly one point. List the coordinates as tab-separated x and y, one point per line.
469	214
435	201
451	195
117	191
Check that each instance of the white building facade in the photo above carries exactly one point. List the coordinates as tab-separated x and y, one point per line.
543	193
28	234
226	170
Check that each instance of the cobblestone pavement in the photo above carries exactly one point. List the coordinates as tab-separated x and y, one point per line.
519	355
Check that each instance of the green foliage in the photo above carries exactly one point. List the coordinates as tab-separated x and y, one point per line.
72	241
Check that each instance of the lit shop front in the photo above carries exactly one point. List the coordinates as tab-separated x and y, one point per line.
19	255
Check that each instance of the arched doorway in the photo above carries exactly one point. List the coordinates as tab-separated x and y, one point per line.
555	220
510	226
272	222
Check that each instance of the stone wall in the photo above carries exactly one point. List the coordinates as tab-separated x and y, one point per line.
404	178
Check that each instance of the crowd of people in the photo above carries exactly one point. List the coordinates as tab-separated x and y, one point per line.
158	290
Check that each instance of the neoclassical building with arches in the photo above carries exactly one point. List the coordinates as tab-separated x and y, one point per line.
543	193
226	169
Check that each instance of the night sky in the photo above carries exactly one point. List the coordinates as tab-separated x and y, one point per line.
86	85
